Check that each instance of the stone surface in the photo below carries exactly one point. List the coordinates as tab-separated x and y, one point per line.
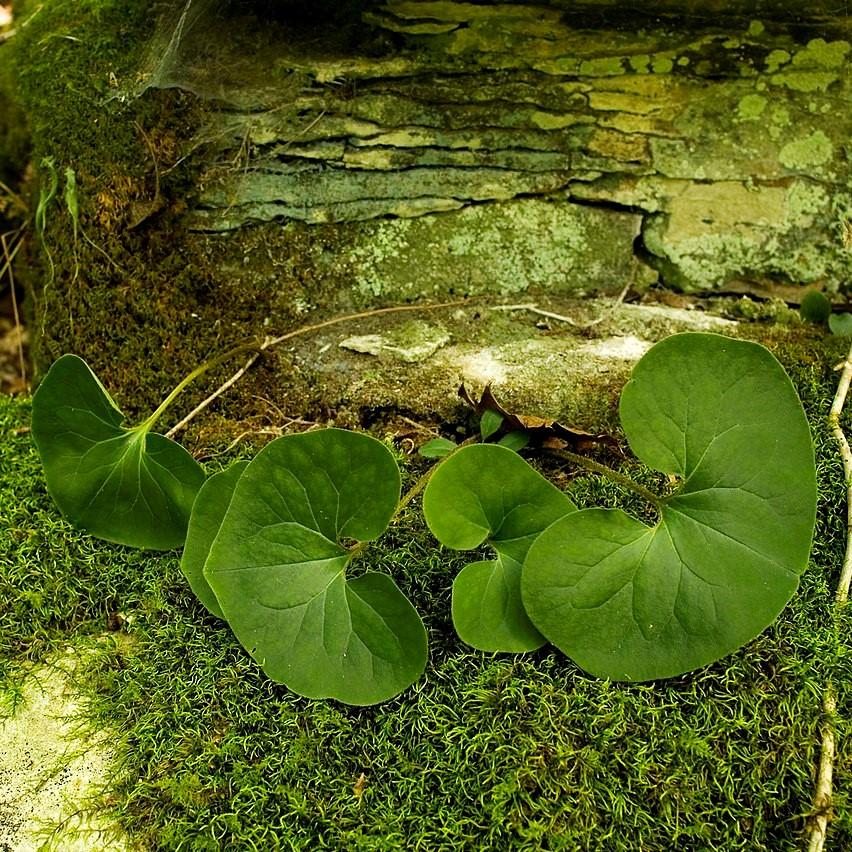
730	149
48	770
539	366
410	342
418	150
504	248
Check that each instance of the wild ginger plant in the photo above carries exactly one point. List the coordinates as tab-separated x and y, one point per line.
273	544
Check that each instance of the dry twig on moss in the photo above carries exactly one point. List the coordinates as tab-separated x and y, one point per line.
821	811
607	312
305	329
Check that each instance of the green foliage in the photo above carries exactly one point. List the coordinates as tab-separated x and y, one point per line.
278	569
840	324
515	441
519	753
437	448
632	602
271	542
489	423
129	486
47	193
815	307
208	511
487	493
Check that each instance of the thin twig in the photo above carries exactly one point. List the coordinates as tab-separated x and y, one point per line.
18	330
178	427
843	584
533	308
19	202
8	257
305	329
822	802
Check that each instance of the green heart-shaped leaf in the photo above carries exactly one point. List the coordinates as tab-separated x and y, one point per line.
490	422
130	486
840	324
486	492
208	511
631	602
437	448
278	569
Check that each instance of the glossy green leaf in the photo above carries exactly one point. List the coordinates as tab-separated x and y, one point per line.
515	440
631	602
490	422
437	448
208	511
487	493
279	561
840	324
130	486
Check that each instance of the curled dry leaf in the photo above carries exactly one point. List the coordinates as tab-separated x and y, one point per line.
549	433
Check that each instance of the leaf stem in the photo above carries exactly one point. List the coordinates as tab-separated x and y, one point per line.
147	424
358	549
423	480
614	476
305	329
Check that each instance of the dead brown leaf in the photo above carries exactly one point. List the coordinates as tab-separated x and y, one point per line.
360	786
548	433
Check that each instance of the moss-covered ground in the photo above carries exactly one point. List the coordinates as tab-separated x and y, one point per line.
485	752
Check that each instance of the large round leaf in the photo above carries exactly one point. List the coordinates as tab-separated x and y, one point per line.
278	569
211	504
124	485
486	492
632	602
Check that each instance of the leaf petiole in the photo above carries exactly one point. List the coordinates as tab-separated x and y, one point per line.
148	423
359	548
614	476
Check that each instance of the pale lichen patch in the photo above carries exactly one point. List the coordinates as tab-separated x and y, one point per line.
50	772
815	149
409	342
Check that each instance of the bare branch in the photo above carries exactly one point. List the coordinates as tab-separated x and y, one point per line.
821	811
305	329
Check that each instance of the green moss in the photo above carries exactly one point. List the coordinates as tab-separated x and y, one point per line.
88	41
14	129
488	751
68	58
56	584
